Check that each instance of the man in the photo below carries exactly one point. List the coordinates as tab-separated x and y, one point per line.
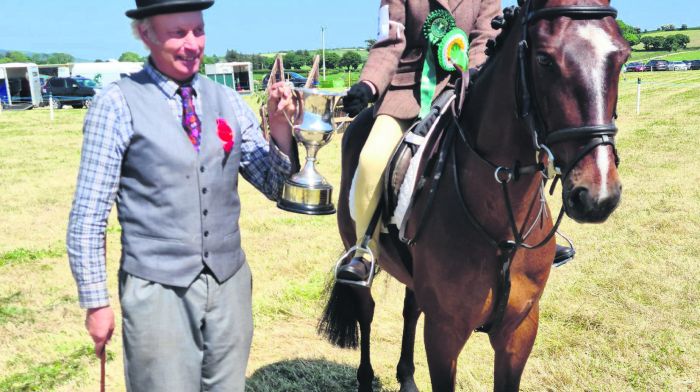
394	77
168	144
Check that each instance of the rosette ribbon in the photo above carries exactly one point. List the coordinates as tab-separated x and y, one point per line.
451	45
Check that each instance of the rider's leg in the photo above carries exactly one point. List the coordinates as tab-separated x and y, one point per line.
381	143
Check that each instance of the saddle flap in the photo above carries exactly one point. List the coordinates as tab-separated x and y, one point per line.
410	146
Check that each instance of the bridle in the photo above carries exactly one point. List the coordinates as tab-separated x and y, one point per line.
530	113
547	164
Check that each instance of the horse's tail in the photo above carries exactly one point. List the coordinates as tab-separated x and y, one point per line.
339	323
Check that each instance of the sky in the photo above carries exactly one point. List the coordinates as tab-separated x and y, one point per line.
99	29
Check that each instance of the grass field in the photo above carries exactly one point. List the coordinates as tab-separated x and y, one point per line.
623	316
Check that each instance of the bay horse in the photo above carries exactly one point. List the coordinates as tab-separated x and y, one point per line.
544	102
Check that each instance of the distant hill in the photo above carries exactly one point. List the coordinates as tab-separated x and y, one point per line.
694	35
692	52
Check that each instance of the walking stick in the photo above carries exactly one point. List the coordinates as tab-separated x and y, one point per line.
103	360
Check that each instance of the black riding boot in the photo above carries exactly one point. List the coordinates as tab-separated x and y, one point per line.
563	255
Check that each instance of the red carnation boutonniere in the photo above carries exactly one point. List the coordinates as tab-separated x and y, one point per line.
225	134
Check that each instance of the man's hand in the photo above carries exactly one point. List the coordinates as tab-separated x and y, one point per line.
357	98
99	323
282	108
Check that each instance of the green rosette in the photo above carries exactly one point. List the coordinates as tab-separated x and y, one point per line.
453	50
437	25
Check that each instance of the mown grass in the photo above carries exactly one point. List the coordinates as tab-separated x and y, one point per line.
622	316
48	376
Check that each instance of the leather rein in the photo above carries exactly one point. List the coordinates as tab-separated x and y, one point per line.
547	164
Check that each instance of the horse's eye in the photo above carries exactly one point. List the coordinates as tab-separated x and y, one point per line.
544	60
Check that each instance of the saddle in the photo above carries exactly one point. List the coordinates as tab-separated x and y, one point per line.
408	154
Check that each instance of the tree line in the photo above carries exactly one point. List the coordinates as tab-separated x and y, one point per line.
36	58
633	35
296	59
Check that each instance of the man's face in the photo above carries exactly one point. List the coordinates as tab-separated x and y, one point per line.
180	43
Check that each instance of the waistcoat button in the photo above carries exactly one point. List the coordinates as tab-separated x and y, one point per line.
204	191
206	254
206	234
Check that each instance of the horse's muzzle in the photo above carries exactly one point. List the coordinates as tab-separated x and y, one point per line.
585	206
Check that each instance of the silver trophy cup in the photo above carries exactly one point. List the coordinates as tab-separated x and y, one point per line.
307	192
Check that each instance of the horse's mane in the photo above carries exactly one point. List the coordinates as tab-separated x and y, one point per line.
505	24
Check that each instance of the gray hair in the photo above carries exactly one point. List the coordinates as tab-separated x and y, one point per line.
146	25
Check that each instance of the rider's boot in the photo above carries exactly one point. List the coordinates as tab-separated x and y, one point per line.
563	255
360	269
356	270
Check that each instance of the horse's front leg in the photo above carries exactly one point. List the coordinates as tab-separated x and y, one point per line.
406	368
443	342
512	344
365	314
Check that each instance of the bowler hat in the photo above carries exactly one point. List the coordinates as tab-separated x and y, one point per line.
146	8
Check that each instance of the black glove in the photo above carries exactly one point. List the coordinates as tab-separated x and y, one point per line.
357	98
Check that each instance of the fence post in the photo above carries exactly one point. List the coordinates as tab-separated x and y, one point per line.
639	94
51	107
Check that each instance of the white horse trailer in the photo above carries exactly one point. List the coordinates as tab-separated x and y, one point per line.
20	87
238	76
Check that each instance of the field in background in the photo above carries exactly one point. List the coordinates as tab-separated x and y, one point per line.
692	52
623	316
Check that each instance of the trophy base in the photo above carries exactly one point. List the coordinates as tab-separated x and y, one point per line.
304	200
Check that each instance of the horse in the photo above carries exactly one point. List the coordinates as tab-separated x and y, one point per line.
480	241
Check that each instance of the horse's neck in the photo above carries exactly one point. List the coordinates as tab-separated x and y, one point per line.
491	114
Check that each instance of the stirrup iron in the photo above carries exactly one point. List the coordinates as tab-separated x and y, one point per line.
362	249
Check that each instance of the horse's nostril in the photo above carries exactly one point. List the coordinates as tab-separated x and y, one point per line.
580	199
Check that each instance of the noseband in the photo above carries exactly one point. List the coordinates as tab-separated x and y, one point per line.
530	113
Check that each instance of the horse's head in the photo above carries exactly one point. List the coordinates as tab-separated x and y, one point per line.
568	80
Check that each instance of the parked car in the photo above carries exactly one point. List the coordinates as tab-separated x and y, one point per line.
635	67
75	91
677	66
295	78
694	64
656	65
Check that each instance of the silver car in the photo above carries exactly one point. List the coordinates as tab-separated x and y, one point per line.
677	66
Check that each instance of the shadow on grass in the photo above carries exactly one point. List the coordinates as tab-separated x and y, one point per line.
302	375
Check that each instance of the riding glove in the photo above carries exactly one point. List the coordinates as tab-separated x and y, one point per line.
357	98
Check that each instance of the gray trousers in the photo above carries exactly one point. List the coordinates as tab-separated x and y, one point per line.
186	339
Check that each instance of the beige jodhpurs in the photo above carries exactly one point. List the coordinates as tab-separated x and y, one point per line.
381	143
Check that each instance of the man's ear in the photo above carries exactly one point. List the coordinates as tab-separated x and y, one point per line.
143	33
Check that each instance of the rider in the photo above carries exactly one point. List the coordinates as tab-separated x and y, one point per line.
394	77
